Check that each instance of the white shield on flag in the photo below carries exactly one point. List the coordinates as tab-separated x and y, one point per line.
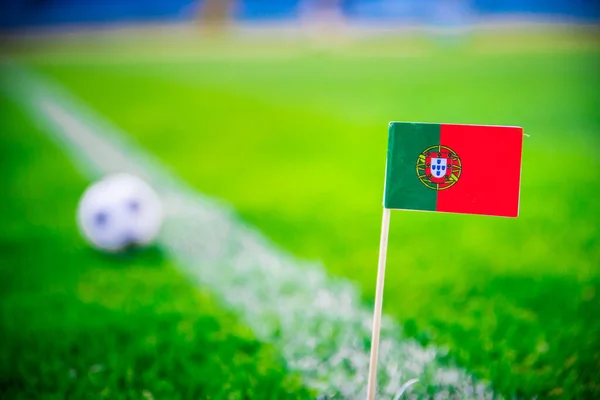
438	167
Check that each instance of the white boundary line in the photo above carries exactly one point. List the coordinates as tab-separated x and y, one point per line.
317	323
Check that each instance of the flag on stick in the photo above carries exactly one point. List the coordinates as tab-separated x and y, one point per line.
467	169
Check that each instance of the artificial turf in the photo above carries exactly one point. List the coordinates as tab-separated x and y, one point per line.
295	139
76	323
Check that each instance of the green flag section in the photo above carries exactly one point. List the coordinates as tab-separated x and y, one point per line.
467	169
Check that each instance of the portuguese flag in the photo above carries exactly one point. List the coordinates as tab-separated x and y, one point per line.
468	169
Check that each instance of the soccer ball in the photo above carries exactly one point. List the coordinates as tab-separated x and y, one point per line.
119	211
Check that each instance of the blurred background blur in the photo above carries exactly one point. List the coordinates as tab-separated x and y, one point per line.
280	110
19	13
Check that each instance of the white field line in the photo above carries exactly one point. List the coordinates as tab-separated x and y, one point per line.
316	322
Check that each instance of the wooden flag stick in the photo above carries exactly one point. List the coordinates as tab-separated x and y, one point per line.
385	227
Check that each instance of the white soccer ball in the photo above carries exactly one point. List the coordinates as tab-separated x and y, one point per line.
119	211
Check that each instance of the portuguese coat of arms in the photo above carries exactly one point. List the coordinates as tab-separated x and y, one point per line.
438	167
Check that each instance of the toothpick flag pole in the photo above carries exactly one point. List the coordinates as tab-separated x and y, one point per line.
372	384
465	169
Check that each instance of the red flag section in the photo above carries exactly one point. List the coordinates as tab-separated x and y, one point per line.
490	179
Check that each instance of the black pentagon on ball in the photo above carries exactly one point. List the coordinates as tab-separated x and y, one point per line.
134	206
101	218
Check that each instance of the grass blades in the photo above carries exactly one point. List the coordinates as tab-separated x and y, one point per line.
80	324
297	145
295	140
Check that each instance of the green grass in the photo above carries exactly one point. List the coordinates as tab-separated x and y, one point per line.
75	323
297	144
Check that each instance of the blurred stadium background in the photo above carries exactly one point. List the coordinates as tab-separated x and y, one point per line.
279	110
